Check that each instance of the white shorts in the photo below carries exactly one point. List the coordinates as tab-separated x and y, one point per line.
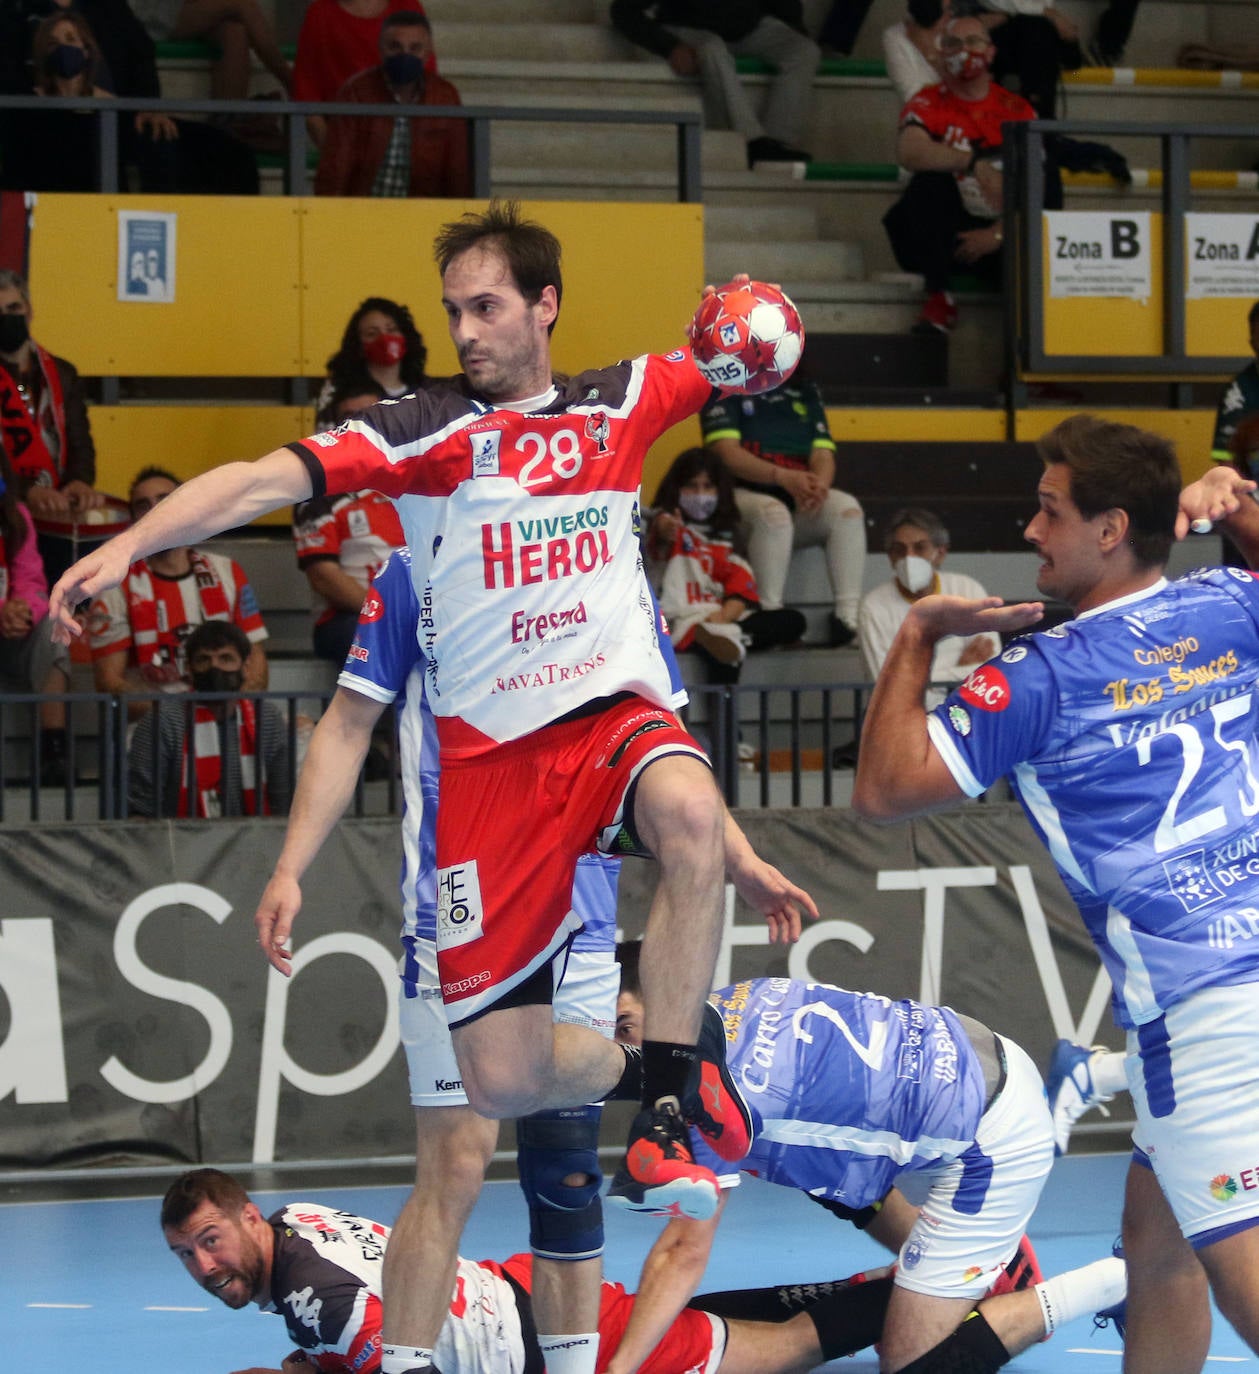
957	1251
585	995
1194	1079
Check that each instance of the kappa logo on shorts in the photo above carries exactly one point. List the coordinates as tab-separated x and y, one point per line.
645	728
459	909
485	454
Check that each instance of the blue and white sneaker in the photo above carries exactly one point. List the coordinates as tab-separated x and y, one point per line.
1070	1089
1118	1313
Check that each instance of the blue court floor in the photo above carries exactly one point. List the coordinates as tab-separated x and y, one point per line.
91	1285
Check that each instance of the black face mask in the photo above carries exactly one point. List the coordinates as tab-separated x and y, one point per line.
65	60
218	680
402	68
14	332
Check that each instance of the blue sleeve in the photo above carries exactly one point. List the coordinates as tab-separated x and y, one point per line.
386	645
1000	716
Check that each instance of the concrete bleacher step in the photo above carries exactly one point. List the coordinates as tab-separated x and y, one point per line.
538	42
776	260
794	223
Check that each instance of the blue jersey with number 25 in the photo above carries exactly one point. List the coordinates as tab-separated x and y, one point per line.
1130	736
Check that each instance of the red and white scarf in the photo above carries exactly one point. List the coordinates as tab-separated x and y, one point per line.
142	604
208	762
25	433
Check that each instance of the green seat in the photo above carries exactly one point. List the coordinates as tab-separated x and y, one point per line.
850	171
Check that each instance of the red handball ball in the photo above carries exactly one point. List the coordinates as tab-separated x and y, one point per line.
746	337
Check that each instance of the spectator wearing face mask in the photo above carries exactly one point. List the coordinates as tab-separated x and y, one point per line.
213	758
381	352
378	156
707	590
916	543
44	429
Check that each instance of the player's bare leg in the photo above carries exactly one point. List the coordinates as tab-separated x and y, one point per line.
1232	1267
453	1146
1169	1316
515	1060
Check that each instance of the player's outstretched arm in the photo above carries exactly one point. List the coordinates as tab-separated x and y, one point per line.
761	885
1219	497
325	785
220	499
671	1274
899	772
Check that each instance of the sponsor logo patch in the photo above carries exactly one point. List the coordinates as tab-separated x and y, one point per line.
459	909
1190	881
485	454
373	607
987	688
1223	1188
1016	653
959	719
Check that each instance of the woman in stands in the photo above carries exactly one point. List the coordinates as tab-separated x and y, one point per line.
381	352
707	590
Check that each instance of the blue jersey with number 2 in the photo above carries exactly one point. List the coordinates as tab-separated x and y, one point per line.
847	1088
1130	737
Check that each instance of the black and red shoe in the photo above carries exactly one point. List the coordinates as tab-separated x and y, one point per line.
660	1175
1022	1272
713	1104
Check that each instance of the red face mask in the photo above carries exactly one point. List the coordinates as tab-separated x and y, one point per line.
966	65
385	350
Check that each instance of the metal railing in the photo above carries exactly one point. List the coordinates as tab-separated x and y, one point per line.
1024	149
794	734
688	125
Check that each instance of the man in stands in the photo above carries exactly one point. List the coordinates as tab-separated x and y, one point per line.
378	156
44	429
950	140
137	631
518	493
703	37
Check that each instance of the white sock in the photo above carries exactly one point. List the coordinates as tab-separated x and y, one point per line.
1068	1296
401	1359
1108	1073
570	1354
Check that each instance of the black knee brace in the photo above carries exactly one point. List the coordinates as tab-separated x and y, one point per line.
972	1349
565	1222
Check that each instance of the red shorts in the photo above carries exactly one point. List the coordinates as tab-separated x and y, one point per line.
696	1342
510	825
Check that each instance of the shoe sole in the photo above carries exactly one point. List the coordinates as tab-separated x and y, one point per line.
695	1198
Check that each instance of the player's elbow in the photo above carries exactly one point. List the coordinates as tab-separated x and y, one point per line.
874	799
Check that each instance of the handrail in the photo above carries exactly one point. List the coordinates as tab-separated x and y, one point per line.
687	123
1024	279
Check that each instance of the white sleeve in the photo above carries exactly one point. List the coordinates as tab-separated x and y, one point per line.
908	68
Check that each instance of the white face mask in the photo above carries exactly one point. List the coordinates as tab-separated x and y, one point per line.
913	573
699	505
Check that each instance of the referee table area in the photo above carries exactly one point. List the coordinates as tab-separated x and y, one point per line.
90	1284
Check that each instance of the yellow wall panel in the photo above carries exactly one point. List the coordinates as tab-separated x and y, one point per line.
1099	327
632	274
917	423
237	300
189	439
1189	430
1217	328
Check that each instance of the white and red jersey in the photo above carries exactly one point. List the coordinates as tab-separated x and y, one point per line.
359	530
326	1284
168	609
523	533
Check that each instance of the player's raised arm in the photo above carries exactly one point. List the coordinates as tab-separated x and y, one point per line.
220	499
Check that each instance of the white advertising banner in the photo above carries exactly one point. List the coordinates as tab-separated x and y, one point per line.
1099	253
1221	257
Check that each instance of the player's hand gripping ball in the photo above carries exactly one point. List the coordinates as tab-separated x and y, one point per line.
746	337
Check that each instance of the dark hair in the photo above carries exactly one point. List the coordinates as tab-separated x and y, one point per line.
1120	467
406	19
347	368
190	1190
329	414
147	475
688	464
14	529
217	634
927	521
531	251
42	45
925	12
1253	313
628	953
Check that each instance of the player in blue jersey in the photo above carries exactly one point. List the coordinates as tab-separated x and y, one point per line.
453	1143
847	1091
1129	735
